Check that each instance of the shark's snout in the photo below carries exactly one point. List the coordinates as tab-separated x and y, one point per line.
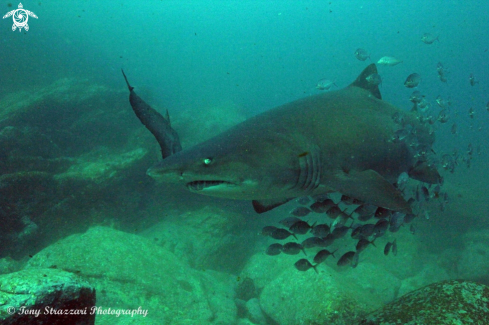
165	173
192	180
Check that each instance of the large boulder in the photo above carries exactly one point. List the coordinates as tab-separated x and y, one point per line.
68	117
200	122
100	167
129	271
263	269
45	296
308	298
65	148
472	263
334	296
9	265
205	238
411	255
430	274
381	284
447	302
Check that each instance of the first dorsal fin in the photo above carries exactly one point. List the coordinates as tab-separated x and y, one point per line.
362	82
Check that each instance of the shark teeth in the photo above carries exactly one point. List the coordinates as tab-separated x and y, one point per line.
200	185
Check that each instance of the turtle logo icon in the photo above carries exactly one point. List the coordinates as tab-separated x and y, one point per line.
20	17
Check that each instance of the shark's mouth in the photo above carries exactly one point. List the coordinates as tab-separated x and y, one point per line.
201	185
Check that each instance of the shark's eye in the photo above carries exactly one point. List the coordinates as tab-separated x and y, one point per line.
207	161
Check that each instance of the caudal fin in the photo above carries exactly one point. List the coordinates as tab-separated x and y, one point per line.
127	82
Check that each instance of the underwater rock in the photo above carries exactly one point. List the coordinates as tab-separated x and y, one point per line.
100	167
65	148
8	265
334	296
22	195
473	261
72	114
254	312
373	278
206	238
129	271
26	148
369	278
218	290
197	124
448	260
446	302
329	297
263	269
245	289
430	274
29	163
45	291
410	259
245	321
24	184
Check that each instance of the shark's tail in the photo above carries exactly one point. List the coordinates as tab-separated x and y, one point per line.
127	82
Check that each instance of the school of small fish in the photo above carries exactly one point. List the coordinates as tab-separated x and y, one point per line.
323	226
441	109
331	221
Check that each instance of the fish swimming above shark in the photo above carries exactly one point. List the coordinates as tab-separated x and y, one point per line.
339	141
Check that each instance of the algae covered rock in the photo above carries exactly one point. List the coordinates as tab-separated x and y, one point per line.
69	116
41	296
201	122
100	166
9	265
446	302
334	296
309	298
206	238
263	269
430	274
411	254
473	263
129	271
65	148
375	280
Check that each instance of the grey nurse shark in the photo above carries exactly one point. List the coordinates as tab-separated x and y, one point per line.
339	141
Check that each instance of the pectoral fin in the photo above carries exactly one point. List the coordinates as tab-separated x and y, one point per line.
370	187
425	173
267	205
